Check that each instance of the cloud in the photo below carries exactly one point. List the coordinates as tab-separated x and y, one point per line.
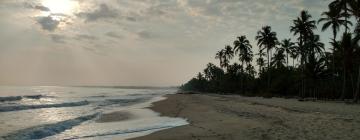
145	35
133	19
102	12
36	6
86	37
42	8
48	23
58	38
114	35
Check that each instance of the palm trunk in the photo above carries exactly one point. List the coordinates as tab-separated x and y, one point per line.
346	18
294	59
343	94
334	91
302	67
242	78
268	55
287	60
356	98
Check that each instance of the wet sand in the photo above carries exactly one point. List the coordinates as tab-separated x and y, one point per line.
230	117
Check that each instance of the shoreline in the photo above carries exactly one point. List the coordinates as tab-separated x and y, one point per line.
228	117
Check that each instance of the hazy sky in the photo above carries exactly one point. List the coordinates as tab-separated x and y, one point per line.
129	42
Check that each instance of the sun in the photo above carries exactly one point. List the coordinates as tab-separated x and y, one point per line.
60	6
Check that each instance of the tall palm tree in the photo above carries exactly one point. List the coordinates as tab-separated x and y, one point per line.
287	46
333	19
242	47
314	46
355	8
228	55
278	59
349	47
220	55
247	57
267	39
260	61
342	7
303	26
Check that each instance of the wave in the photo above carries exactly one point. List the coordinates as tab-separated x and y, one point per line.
17	98
36	96
10	98
42	131
27	107
122	102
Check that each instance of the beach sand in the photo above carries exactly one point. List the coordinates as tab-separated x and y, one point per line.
230	117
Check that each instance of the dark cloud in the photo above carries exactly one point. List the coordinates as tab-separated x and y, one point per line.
58	38
145	35
42	8
102	12
114	35
48	23
133	19
86	37
37	7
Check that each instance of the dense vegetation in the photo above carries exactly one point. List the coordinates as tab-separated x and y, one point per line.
287	68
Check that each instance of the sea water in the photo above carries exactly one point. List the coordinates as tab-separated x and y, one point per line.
49	112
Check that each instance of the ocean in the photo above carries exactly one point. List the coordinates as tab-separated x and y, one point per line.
53	112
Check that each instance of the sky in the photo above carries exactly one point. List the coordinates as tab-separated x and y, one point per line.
130	42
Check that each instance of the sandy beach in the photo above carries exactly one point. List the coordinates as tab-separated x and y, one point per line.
230	117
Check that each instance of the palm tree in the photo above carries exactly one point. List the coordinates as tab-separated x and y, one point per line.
355	8
220	55
228	55
242	47
333	19
247	57
200	76
303	26
260	61
234	69
349	47
250	70
278	59
314	46
342	7
212	72
287	46
294	54
267	39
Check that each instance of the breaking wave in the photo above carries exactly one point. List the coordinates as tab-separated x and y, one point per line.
42	131
17	98
27	107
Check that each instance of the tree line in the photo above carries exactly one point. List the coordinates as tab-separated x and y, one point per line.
286	68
